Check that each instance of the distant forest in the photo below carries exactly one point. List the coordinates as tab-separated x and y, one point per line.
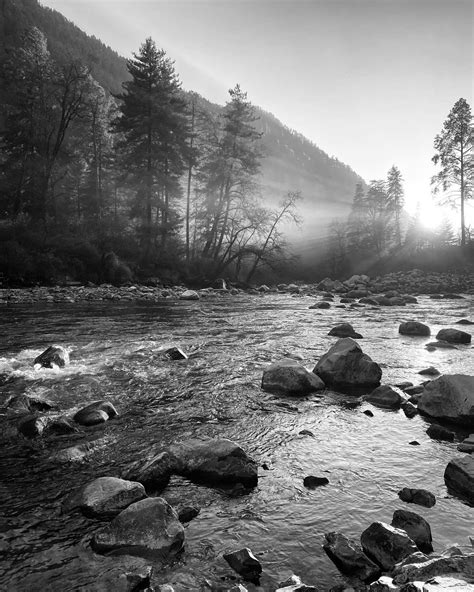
110	172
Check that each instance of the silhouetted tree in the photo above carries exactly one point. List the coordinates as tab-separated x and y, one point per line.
394	190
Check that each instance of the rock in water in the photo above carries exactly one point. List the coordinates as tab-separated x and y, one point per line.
175	353
345	330
385	397
214	462
467	445
454	336
416	527
311	482
95	413
153	472
245	563
189	295
290	378
32	426
345	366
148	528
459	476
105	497
386	545
414	328
421	497
449	397
349	557
55	355
437	432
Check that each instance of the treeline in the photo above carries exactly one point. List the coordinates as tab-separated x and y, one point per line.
142	184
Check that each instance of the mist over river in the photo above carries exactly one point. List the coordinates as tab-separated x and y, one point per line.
116	352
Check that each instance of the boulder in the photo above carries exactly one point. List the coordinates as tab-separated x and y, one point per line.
294	584
95	413
345	366
154	472
349	558
414	328
464	322
459	476
325	284
175	353
386	545
454	336
28	403
450	397
409	409
369	300
447	584
416	527
214	462
435	566
189	295
311	482
323	304
431	371
421	497
290	378
245	564
148	528
344	330
437	432
105	497
385	397
187	513
32	426
55	355
467	445
383	584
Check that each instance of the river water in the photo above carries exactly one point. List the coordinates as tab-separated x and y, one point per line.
116	354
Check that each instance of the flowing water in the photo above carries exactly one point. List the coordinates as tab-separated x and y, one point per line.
117	354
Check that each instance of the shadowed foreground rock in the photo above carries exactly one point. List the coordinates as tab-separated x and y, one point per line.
55	355
345	366
459	476
450	397
148	528
349	558
245	563
386	545
416	527
290	378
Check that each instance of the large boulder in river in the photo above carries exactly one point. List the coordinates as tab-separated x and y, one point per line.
245	563
153	472
453	336
385	396
214	462
349	557
459	476
55	355
386	545
414	328
344	330
421	497
95	413
105	497
416	527
148	528
450	397
290	378
345	366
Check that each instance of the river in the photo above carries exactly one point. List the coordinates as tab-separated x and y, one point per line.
116	354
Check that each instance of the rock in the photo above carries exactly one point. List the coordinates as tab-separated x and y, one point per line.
320	305
450	397
95	413
294	584
459	476
416	527
453	336
325	284
105	497
409	409
176	353
349	558
448	584
346	366
214	462
414	443
414	328
383	584
344	330
464	322
432	345
386	545
422	571
263	288
148	528
437	432
27	403
61	426
312	482
189	295
245	564
290	378
368	412
32	426
368	300
55	355
154	472
467	445
431	371
385	397
421	497
71	454
187	513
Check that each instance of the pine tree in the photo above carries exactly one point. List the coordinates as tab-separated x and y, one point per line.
356	226
394	189
152	145
454	154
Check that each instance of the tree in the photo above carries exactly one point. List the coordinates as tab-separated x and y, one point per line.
377	216
153	132
356	224
394	190
454	155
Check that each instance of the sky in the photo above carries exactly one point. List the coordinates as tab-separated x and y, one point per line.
369	81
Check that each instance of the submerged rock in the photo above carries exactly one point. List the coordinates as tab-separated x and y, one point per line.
55	355
416	527
95	413
344	330
148	528
214	462
449	397
386	545
290	378
349	558
421	497
385	397
414	328
245	563
459	476
454	336
345	366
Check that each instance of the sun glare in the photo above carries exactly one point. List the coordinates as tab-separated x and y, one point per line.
431	216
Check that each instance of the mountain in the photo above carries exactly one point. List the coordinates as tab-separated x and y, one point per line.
292	162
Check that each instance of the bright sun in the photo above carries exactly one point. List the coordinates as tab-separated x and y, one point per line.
432	215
